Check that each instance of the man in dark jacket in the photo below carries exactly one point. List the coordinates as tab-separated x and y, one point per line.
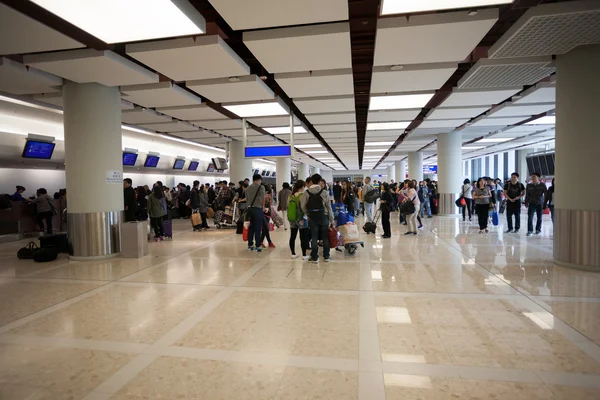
535	193
337	192
130	200
194	198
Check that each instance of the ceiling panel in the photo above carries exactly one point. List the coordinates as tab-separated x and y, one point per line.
89	65
56	99
337	135
173	126
478	97
441	37
442	123
322	105
524	110
188	113
20	34
456	112
497	121
393	115
541	93
229	90
162	94
200	134
411	77
16	78
140	116
316	83
336	128
217	124
510	72
200	57
332	118
266	122
302	48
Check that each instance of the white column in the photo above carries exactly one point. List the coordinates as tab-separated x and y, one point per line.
94	169
522	164
284	169
315	170
391	173
240	167
450	174
303	171
400	170
577	212
415	165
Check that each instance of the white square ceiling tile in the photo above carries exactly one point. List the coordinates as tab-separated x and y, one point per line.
316	83
139	116
266	122
88	65
302	48
237	133
457	112
162	94
173	126
442	123
477	97
243	15
18	79
524	110
441	37
217	124
229	90
20	34
411	77
321	105
336	128
200	57
538	94
497	121
189	113
332	118
393	115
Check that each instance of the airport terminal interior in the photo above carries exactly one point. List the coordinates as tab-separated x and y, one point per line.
121	280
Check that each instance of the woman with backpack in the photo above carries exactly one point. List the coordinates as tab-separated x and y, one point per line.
298	220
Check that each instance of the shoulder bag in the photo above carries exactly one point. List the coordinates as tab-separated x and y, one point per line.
408	207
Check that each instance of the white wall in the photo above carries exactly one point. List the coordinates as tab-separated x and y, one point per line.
32	180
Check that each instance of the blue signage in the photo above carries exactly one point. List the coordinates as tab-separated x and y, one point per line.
268	151
430	169
39	150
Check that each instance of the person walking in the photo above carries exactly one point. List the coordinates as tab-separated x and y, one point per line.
298	220
411	219
316	204
369	198
535	193
203	205
416	187
255	194
514	191
482	196
467	194
284	198
156	210
385	206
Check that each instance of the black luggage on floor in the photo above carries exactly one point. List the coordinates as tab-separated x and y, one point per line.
27	252
58	240
240	226
46	254
371	227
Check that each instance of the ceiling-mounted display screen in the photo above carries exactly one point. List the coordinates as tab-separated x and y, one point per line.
268	151
129	159
179	163
193	166
38	150
211	168
151	161
220	163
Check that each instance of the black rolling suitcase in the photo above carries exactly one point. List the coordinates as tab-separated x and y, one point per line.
371	227
58	240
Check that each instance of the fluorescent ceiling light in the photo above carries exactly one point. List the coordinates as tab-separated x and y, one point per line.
375	150
285	130
174	139
405	7
117	21
547	120
307	146
379	143
257	110
496	140
380	126
317	152
398	102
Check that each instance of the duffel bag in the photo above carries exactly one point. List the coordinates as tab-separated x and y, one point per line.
28	252
46	254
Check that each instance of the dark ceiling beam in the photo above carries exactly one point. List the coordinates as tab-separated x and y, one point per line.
363	29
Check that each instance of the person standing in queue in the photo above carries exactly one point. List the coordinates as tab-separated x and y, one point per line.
367	192
298	220
130	200
514	191
385	206
535	193
255	195
156	210
316	204
203	206
482	197
284	198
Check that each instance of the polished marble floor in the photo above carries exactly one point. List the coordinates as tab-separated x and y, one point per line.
448	314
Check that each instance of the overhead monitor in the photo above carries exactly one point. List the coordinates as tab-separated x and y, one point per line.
211	168
268	151
430	169
263	173
268	173
220	163
38	150
129	159
178	164
193	166
151	161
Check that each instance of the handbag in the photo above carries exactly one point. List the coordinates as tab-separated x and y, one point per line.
461	202
27	252
408	207
245	231
210	213
334	235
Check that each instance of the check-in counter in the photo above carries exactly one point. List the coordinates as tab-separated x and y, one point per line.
21	218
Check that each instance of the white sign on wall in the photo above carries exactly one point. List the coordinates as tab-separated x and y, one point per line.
114	177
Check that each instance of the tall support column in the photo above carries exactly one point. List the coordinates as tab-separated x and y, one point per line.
400	170
449	171
577	212
522	164
391	173
415	165
94	169
303	171
240	167
284	170
315	170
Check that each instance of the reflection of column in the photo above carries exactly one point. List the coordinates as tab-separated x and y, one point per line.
94	169
303	171
577	212
284	169
240	167
400	170
415	165
391	173
449	171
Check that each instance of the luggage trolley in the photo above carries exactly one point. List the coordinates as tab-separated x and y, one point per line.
228	217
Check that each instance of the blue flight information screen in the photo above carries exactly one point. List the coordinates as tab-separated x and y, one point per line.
129	159
179	163
268	151
193	166
39	150
151	161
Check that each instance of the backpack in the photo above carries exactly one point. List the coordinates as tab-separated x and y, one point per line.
294	212
371	196
315	207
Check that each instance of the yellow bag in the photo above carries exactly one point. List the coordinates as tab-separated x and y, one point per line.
210	213
196	220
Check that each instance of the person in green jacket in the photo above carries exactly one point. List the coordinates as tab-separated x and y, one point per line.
156	211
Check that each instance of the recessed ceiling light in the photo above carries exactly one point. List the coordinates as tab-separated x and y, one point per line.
379	143
399	102
396	67
547	120
381	126
405	7
285	130
264	109
117	21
